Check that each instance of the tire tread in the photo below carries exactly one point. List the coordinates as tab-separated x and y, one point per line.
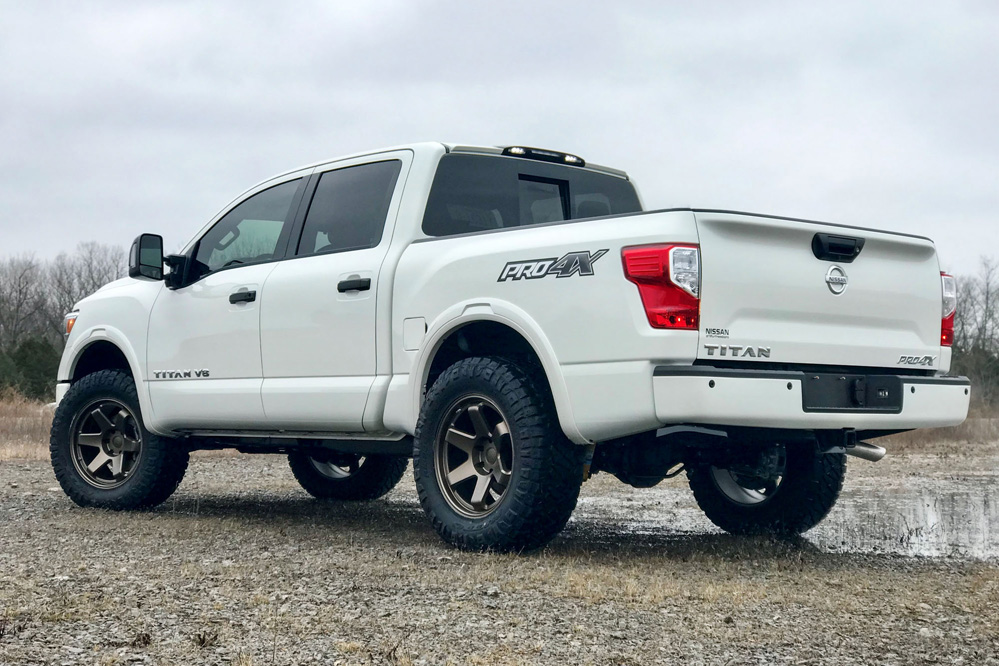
160	471
377	476
544	496
813	490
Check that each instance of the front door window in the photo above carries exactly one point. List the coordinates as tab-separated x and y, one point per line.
251	233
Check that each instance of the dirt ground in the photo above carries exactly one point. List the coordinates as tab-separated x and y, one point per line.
242	567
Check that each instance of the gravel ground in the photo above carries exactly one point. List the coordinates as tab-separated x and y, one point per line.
242	567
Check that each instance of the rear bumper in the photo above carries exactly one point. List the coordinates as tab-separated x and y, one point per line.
774	399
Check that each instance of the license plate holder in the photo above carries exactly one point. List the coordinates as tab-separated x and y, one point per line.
827	392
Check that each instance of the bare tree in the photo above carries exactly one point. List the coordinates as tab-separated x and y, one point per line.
71	278
22	300
98	265
976	331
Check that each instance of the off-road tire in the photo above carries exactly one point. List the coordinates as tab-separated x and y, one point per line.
159	469
547	469
811	484
376	476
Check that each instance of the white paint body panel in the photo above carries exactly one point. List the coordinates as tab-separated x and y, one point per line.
761	282
305	357
769	403
198	328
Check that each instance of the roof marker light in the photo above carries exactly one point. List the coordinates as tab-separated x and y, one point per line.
543	155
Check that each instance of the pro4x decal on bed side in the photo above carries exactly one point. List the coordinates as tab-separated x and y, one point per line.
571	263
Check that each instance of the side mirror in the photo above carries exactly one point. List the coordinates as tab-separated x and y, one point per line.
145	259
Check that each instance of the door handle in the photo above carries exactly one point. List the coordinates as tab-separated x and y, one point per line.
357	284
242	297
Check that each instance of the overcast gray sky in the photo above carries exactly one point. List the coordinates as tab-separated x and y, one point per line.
123	117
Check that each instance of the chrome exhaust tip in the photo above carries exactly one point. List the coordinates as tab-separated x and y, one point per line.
866	451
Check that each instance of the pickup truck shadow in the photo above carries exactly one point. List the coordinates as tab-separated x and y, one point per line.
402	524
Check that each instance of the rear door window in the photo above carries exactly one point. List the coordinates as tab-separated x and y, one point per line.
349	207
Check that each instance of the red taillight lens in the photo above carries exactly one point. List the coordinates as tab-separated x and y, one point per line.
947	331
948	287
668	280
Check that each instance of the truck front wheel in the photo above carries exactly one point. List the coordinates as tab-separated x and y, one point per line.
346	476
102	454
493	469
786	490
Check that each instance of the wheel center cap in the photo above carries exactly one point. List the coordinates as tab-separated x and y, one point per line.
491	455
117	442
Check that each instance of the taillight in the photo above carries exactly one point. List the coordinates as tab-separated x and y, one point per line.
668	279
949	289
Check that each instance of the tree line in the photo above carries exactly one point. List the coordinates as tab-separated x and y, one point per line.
976	332
35	296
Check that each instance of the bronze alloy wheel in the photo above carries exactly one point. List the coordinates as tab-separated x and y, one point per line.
474	456
106	443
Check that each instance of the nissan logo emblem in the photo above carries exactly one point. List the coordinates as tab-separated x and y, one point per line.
836	280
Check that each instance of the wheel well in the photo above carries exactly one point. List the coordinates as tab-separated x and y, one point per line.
481	338
101	355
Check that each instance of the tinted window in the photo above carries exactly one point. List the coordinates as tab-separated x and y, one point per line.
247	234
349	207
479	192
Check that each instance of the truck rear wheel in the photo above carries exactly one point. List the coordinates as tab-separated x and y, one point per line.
789	495
493	469
346	476
101	452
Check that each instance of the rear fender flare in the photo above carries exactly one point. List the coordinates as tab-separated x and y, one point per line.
515	318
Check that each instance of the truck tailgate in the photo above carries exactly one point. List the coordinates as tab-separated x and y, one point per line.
767	297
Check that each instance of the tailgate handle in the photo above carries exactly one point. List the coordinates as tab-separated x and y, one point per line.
829	247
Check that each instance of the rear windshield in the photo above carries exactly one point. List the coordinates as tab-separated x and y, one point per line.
481	192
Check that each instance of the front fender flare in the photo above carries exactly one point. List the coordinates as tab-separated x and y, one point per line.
79	344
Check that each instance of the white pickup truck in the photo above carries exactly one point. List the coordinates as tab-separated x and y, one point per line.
513	321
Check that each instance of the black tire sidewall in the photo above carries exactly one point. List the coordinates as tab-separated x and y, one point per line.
809	488
377	475
159	458
521	520
436	414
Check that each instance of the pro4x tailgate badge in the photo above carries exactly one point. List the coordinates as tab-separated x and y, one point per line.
572	263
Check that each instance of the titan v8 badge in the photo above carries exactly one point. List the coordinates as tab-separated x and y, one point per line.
572	263
181	374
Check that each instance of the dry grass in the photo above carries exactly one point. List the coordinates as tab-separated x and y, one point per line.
981	430
24	427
